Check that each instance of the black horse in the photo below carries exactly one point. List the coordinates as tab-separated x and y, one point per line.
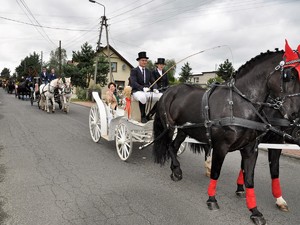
227	118
290	127
24	89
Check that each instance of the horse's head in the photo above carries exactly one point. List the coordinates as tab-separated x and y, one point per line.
284	84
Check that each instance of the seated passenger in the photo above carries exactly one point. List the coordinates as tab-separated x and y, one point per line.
110	97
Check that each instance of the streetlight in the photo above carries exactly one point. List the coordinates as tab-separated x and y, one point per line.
104	21
93	1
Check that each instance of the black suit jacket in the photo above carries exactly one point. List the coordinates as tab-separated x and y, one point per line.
163	82
136	79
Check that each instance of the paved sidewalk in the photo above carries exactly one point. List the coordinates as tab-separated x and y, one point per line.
286	152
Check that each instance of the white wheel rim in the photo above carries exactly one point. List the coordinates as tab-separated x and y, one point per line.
181	148
123	142
95	123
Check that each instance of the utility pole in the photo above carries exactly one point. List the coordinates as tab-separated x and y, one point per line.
41	61
59	56
103	22
108	53
98	48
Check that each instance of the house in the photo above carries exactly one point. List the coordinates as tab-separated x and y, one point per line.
120	67
202	78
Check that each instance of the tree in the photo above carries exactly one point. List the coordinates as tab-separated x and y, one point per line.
54	58
185	73
170	63
225	70
5	73
102	70
216	79
84	60
29	66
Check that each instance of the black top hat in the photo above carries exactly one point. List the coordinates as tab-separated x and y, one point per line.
142	55
160	61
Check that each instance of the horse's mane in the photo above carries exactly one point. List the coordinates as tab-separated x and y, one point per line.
244	69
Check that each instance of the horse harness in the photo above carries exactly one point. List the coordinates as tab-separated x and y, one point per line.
266	125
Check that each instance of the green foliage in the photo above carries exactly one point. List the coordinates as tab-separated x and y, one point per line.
5	73
81	93
150	65
225	70
102	70
29	66
170	63
216	79
185	73
54	58
73	71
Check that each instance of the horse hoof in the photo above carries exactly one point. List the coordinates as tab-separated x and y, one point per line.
240	194
212	205
53	111
258	220
283	207
175	177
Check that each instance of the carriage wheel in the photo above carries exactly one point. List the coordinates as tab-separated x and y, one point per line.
181	148
123	141
95	123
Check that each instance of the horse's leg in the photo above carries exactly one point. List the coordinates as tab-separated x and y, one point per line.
240	191
173	149
68	103
47	104
218	157
53	106
249	157
274	155
207	163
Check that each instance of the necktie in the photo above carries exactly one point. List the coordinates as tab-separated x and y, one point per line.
144	76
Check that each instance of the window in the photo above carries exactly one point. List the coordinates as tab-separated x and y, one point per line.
114	67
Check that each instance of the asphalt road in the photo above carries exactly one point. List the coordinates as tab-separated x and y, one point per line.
52	173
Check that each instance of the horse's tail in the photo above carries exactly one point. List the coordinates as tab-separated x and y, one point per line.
198	148
162	139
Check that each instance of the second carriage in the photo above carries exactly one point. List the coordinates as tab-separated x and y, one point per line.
118	126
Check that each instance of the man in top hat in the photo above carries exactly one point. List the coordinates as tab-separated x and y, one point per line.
158	73
44	76
162	82
140	81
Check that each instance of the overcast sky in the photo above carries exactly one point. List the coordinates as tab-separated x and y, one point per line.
172	29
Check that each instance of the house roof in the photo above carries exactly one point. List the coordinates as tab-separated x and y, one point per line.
117	53
203	73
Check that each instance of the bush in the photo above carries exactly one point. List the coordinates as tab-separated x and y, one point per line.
81	93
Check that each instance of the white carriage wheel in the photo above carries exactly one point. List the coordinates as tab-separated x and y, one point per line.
95	123
123	141
181	148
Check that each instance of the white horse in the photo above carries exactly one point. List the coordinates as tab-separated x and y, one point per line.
47	92
66	95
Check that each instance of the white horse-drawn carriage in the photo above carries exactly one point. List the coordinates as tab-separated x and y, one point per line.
119	126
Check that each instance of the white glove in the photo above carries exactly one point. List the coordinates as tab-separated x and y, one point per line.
156	91
145	89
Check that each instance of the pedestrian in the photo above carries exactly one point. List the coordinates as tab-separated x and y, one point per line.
140	81
44	76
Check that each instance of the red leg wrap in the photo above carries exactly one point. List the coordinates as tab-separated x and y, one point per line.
212	187
240	179
276	189
250	198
